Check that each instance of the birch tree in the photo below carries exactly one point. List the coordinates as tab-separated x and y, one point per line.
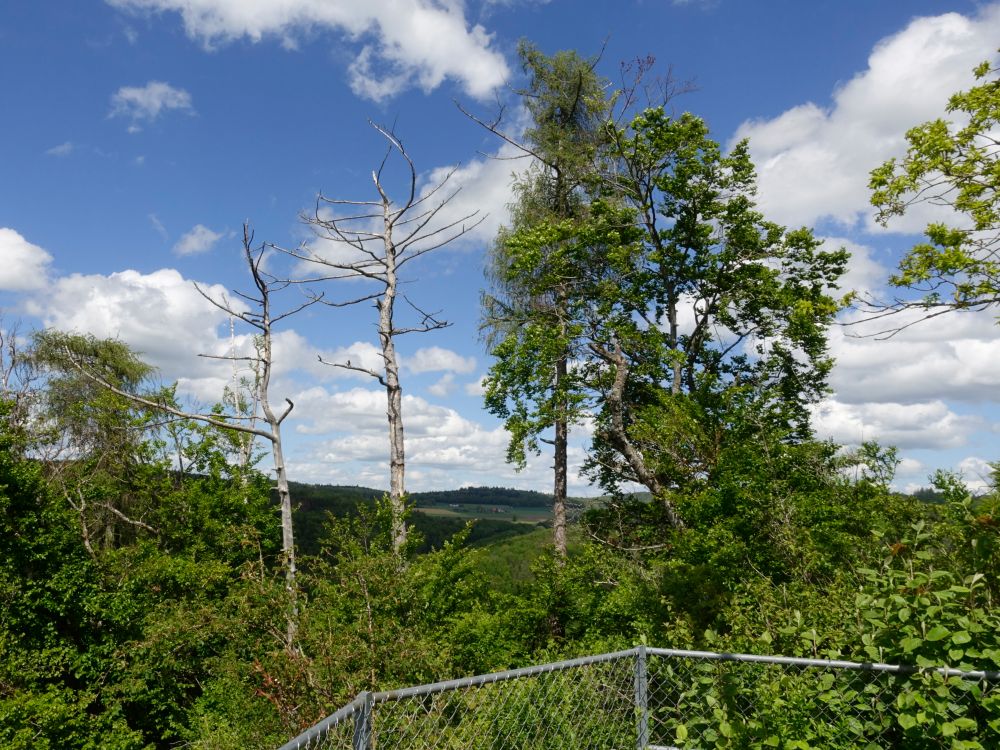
371	241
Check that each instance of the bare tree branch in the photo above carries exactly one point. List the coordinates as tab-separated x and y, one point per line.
378	244
355	368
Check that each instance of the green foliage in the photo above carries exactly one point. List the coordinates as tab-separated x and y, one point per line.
759	297
538	266
955	166
141	583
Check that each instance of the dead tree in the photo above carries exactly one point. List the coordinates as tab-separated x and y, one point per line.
371	242
262	318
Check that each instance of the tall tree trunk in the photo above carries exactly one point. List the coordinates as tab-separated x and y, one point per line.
617	433
560	466
394	397
287	539
281	477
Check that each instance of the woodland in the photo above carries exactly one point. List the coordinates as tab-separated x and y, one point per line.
164	583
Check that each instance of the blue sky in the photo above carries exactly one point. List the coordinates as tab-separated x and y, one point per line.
138	135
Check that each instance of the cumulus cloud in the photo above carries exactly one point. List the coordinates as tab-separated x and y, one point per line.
147	103
443	448
443	387
163	317
292	352
438	359
976	473
952	356
23	266
927	425
814	159
864	275
476	387
200	239
418	42
146	311
482	190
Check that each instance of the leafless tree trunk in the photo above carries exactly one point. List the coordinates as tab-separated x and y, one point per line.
373	243
262	318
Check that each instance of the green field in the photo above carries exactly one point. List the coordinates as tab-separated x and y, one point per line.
530	515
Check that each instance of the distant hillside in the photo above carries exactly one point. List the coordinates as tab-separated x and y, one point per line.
334	497
483	496
448	511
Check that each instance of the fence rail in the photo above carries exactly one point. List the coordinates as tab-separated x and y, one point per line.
657	699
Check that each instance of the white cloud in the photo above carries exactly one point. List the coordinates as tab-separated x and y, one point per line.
200	239
23	266
164	318
864	274
161	315
926	425
418	42
976	472
952	356
146	103
293	352
814	161
443	387
443	448
437	359
476	387
63	149
483	187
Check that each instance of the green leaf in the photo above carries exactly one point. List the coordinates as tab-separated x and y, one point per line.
936	633
910	644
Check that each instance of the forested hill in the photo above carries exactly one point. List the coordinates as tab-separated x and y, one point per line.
496	512
340	498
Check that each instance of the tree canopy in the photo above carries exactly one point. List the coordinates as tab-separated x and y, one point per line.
955	165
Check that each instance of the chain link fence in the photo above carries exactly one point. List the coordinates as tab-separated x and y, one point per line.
659	699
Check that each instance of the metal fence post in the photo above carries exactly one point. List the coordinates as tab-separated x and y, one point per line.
363	723
641	699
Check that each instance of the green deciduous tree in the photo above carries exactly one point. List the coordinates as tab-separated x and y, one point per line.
956	165
709	326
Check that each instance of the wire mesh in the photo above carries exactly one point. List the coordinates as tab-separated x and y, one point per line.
336	731
655	699
582	707
733	703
